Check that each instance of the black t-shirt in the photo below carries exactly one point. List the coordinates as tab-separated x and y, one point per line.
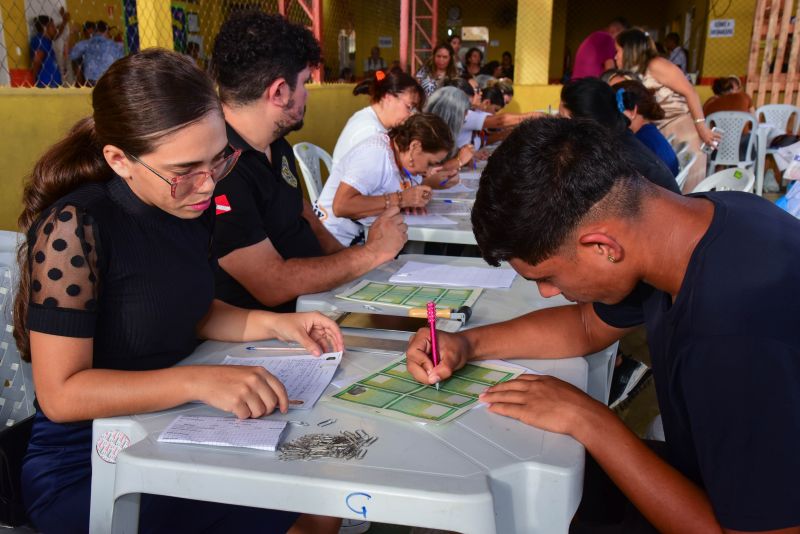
646	162
107	266
726	362
260	200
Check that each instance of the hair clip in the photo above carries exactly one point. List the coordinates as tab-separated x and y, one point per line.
380	75
620	101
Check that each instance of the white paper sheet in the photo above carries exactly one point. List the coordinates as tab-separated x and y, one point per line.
454	208
305	376
224	432
414	272
427	220
458	188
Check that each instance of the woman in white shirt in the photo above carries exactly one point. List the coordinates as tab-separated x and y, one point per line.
393	95
380	172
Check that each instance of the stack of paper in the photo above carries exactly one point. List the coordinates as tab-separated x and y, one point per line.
414	272
224	432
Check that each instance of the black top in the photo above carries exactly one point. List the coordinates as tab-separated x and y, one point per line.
260	200
646	162
133	277
726	361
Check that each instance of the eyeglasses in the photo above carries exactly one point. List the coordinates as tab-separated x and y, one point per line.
184	185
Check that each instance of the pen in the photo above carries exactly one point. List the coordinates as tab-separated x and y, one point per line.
279	349
432	324
456	200
443	182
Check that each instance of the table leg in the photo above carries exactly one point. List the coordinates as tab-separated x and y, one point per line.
125	516
761	154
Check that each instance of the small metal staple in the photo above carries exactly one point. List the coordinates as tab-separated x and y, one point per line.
346	445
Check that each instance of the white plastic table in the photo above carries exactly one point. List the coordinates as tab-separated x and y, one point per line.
493	306
480	474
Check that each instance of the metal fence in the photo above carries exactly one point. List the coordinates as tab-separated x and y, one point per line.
40	40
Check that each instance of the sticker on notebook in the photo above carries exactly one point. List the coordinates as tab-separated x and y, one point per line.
110	444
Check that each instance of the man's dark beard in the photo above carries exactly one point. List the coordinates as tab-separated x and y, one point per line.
285	127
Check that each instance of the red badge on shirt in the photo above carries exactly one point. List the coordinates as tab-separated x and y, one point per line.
223	206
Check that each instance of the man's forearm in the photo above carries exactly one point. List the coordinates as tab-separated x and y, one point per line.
301	276
326	240
670	501
559	332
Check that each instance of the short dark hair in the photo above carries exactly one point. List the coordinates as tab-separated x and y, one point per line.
490	67
673	37
547	177
101	26
636	95
40	23
494	95
470	51
725	85
89	25
429	129
591	98
253	49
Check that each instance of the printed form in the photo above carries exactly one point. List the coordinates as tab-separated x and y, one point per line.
304	376
261	434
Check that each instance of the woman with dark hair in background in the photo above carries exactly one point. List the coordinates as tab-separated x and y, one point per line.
440	65
493	69
117	285
508	65
639	105
383	171
593	99
393	96
472	61
683	112
455	43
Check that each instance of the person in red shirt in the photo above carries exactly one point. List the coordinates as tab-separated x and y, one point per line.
595	55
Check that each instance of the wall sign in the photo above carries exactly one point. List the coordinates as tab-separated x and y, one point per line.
721	27
385	41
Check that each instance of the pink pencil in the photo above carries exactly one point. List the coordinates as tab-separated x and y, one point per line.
432	324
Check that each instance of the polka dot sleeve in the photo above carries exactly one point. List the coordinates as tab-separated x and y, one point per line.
64	277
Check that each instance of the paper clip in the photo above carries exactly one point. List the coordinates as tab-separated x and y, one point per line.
326	422
371	308
298	423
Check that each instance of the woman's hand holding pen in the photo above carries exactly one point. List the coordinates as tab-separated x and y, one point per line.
415	197
454	351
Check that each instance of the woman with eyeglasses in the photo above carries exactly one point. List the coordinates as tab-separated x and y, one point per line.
383	171
116	286
393	97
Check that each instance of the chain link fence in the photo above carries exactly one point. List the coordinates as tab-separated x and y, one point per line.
45	43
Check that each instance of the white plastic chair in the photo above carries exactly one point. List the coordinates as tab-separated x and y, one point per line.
308	156
686	160
732	124
779	116
728	180
16	391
